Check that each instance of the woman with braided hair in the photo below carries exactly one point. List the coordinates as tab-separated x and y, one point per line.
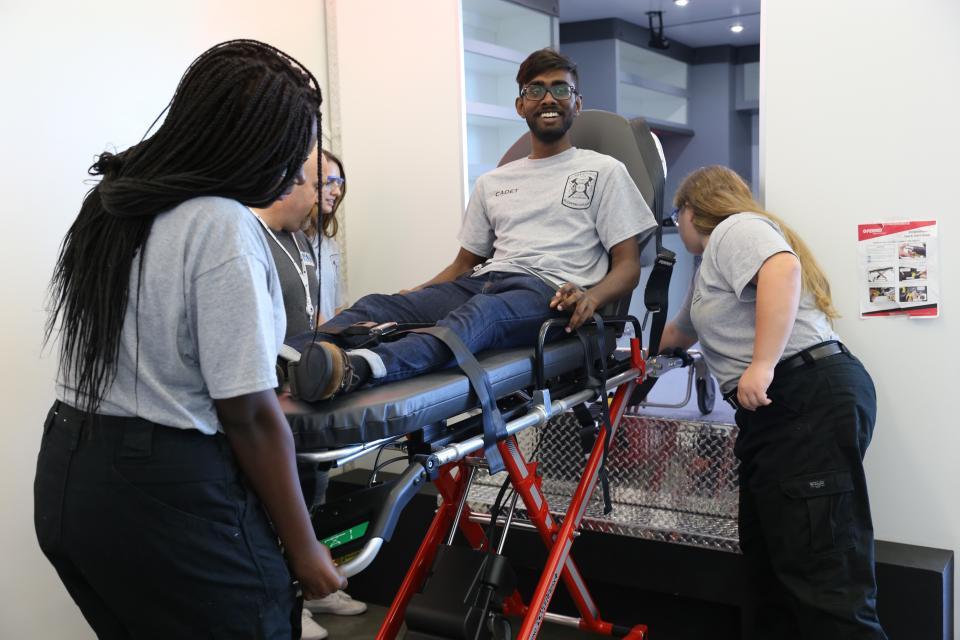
166	447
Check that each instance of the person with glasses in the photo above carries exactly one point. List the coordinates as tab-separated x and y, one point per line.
321	226
553	233
292	252
760	306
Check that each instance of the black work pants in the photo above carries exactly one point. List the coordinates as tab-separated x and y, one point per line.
805	526
155	534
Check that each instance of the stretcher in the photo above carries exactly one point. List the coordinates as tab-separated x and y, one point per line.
440	422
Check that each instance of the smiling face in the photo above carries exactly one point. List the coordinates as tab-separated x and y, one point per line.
549	119
331	191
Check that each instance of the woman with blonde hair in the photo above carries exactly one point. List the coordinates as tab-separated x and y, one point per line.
760	307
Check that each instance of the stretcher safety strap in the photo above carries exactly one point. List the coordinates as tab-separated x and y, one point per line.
595	358
494	428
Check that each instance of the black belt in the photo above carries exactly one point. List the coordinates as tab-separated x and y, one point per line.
800	359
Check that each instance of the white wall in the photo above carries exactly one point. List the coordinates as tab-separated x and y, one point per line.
859	104
402	127
77	77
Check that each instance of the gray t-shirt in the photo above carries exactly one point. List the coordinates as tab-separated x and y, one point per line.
721	304
292	252
332	295
559	215
209	317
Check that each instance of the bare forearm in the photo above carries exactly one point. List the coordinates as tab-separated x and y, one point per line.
263	445
620	282
778	297
674	338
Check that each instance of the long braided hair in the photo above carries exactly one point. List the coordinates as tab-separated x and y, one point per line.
239	126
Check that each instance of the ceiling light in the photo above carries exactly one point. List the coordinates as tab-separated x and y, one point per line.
681	3
736	28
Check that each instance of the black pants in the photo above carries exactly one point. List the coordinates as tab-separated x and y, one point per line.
805	524
154	533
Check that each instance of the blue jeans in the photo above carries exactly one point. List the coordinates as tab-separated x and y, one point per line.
496	310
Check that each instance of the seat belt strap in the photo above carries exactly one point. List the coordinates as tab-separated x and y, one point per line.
656	299
656	296
494	428
595	354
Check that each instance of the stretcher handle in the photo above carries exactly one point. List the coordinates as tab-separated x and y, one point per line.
363	559
554	322
403	490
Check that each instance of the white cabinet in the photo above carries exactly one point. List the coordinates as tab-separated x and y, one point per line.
497	36
651	85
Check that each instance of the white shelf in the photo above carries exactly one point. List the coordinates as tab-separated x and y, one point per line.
653	104
493	111
652	85
494	51
498	35
649	65
489	80
507	25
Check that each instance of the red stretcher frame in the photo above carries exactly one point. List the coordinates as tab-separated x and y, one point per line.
452	482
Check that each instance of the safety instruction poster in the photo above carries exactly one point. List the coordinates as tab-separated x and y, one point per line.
898	267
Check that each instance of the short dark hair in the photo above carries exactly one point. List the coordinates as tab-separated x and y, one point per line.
545	60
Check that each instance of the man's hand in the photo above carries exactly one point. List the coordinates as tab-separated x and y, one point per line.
579	302
752	387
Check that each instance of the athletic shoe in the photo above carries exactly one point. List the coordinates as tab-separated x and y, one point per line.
331	371
337	603
309	629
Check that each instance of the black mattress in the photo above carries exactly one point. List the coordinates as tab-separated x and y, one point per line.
402	407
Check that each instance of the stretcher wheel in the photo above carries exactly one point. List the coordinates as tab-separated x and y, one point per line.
706	394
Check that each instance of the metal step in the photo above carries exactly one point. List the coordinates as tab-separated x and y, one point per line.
670	480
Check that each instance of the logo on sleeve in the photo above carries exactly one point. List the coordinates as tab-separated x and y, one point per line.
578	193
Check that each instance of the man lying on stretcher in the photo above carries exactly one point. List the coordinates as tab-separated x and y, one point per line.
534	242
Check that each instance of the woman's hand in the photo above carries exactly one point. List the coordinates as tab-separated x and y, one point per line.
317	573
579	302
753	385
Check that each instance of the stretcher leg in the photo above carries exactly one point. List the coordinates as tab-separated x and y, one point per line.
451	487
558	539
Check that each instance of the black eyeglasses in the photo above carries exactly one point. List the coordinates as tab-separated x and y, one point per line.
536	92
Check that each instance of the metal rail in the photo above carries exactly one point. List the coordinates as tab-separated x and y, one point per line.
538	415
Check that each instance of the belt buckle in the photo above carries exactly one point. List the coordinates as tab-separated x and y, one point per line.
731	398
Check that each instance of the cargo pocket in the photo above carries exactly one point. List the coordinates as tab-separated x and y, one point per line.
818	515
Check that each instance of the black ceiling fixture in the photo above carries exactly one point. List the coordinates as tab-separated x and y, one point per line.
657	41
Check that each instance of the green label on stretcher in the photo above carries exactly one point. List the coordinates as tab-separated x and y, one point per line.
343	537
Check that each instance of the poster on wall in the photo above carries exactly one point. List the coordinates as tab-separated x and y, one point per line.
898	269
